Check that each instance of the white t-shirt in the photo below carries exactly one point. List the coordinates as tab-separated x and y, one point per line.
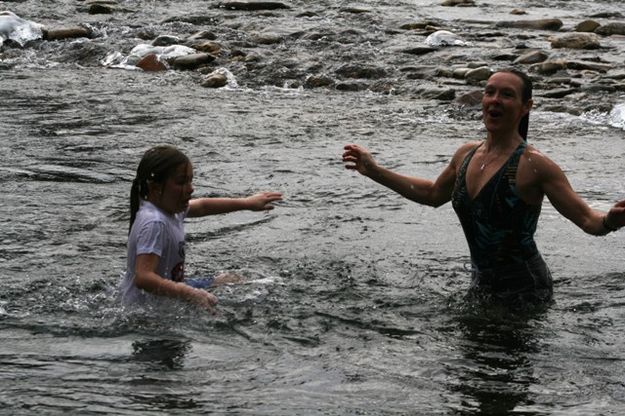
154	232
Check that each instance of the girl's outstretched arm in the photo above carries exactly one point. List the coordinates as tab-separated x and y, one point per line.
210	206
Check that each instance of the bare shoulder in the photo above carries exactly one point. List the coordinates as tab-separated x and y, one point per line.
464	150
537	162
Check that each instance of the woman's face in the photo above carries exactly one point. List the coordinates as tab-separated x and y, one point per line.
174	194
502	103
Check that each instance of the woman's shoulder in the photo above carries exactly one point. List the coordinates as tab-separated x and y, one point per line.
539	164
465	149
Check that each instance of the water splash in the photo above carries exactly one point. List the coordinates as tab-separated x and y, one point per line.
163	53
616	117
445	38
18	30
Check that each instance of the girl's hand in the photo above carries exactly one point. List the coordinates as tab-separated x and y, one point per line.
204	299
359	159
262	201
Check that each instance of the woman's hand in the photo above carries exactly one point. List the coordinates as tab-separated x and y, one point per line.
262	201
359	159
615	218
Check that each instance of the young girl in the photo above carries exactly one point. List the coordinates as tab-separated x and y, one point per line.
160	200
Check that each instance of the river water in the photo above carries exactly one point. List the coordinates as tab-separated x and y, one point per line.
354	297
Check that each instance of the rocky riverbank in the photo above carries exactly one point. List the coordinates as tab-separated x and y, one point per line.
577	65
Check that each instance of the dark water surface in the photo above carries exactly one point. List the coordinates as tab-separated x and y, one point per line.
354	300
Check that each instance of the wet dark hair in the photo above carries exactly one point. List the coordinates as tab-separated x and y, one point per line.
526	95
157	165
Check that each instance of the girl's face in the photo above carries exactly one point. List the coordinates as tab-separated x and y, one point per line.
175	193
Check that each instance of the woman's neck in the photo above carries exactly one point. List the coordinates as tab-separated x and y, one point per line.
501	142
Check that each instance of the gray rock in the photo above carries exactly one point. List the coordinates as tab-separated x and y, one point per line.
532	57
191	61
540	24
361	71
471	99
592	66
614	28
317	81
548	67
559	93
215	79
69	32
443	94
478	74
587	26
253	5
166	40
464	3
575	40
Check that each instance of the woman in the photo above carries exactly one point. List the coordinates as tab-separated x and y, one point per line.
497	188
160	199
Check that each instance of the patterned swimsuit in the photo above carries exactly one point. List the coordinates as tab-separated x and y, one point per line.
499	227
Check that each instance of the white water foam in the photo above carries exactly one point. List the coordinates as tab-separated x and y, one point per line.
616	117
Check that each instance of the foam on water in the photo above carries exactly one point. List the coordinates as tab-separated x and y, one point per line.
617	116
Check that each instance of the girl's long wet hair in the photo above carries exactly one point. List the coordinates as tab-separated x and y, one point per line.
526	95
156	166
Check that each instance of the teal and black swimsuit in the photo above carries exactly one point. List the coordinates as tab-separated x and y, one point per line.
499	227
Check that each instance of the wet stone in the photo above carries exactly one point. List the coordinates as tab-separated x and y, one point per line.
352	86
207	46
575	41
317	81
559	93
532	57
361	71
614	28
192	61
452	3
203	35
215	79
253	5
478	74
57	33
151	63
587	26
540	24
442	94
419	50
166	40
